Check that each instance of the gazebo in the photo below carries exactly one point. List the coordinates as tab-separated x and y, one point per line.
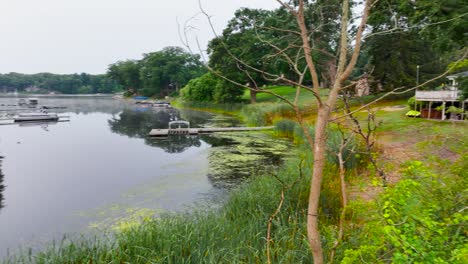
450	95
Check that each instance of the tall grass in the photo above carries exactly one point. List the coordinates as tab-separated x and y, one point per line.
226	108
285	128
265	113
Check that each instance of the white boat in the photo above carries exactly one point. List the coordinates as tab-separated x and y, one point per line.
33	101
27	117
162	104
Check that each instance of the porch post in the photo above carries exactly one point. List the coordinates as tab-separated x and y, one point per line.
463	108
443	110
430	104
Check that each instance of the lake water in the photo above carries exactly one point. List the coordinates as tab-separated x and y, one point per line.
99	169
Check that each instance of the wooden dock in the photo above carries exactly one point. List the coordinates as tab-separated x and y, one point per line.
206	130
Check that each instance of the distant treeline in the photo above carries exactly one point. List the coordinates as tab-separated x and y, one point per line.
60	83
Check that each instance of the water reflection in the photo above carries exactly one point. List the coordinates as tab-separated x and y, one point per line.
137	123
44	125
2	187
134	123
233	156
71	104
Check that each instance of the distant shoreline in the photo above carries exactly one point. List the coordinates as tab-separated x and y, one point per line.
55	95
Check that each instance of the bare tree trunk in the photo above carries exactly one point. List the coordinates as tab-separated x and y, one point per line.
253	96
344	196
319	150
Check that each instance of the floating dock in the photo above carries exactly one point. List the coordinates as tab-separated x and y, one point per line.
206	130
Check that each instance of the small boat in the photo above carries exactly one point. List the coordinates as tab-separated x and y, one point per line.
144	103
22	101
30	101
140	97
162	104
33	101
27	117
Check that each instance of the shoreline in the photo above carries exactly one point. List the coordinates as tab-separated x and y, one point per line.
55	95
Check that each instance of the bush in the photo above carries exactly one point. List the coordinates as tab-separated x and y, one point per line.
201	89
421	219
413	113
412	103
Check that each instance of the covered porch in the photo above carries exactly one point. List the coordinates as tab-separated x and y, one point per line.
436	104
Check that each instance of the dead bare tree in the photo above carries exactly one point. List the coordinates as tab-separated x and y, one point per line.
367	135
325	108
345	140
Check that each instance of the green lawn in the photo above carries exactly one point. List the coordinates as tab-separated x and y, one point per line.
288	92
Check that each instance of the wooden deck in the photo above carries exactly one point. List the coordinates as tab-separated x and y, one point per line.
197	131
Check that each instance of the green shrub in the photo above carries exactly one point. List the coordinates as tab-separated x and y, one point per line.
454	110
201	89
413	113
422	219
412	103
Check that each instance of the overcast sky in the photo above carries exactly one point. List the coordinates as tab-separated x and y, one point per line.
68	36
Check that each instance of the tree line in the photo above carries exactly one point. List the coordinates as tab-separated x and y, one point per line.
60	83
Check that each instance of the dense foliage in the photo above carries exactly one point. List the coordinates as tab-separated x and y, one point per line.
405	34
258	46
420	220
158	73
61	83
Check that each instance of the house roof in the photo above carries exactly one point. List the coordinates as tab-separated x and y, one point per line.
456	75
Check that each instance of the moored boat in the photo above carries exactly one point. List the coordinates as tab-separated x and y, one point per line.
162	104
26	117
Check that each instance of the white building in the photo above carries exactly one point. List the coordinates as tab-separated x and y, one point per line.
451	96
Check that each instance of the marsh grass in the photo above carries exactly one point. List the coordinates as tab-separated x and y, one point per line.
285	128
263	114
228	109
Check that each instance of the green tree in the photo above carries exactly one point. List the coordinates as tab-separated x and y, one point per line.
127	74
165	71
245	52
393	59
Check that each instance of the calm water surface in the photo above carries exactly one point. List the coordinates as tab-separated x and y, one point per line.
99	168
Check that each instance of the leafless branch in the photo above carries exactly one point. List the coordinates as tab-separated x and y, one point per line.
397	28
358	39
288	7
